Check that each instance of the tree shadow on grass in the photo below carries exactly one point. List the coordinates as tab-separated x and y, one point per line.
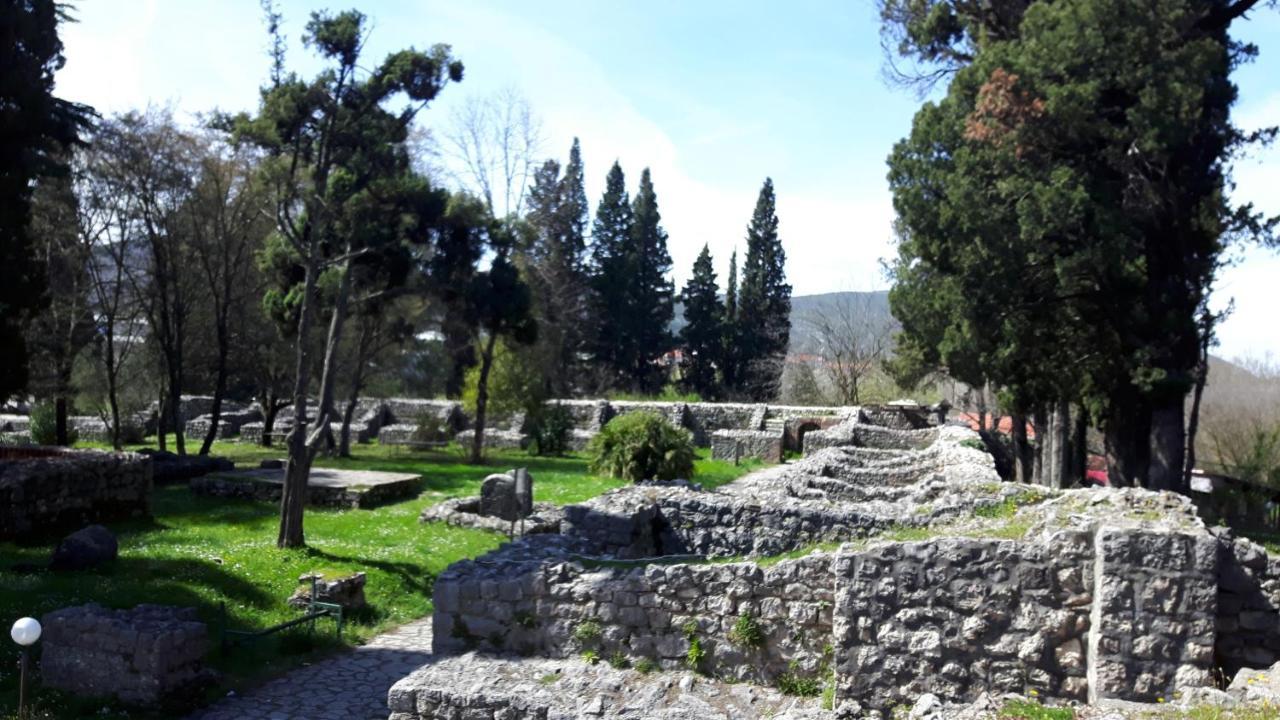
413	577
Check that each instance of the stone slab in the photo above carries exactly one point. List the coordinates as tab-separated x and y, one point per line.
326	486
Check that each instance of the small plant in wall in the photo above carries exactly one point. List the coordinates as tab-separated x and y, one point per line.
746	632
587	632
619	661
590	657
695	656
647	665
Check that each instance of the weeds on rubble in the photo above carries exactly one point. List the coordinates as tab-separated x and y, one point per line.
1263	711
619	661
793	682
1031	709
645	666
1001	510
549	678
746	632
590	657
695	656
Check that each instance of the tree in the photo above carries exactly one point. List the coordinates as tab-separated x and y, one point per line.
551	257
65	323
1069	193
702	336
765	297
503	309
343	187
610	242
730	355
496	140
228	218
156	166
851	341
649	305
37	130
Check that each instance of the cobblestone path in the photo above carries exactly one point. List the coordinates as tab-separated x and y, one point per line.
349	686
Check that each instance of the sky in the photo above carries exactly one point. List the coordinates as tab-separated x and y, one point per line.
713	96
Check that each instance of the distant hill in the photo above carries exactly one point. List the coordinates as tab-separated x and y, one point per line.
870	309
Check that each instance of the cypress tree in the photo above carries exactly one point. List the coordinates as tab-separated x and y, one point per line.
729	331
766	298
610	238
651	293
702	336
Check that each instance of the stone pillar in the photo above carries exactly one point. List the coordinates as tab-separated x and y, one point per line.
1155	604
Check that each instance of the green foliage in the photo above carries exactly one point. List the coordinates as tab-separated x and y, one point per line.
587	632
702	336
514	383
976	444
44	430
764	304
549	430
642	446
746	632
590	657
619	661
646	666
669	393
429	428
1031	709
694	657
794	682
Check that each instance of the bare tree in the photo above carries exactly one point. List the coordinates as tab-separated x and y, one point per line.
228	217
495	140
104	230
851	337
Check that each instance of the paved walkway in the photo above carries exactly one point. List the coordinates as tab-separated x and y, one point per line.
349	686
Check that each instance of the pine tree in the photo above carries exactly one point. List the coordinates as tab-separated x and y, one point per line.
730	353
650	292
765	297
610	238
702	336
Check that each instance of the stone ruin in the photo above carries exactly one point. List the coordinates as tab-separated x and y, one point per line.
505	505
889	564
45	490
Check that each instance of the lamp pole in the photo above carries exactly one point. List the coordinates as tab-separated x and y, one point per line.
25	632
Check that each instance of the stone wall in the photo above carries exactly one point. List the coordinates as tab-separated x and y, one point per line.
735	445
957	616
150	655
1248	598
1154	614
44	490
653	611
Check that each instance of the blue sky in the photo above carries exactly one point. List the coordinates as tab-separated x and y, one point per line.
713	95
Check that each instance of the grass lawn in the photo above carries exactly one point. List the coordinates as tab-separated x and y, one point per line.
200	551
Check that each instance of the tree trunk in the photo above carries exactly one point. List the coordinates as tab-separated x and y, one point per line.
1022	464
114	401
297	467
270	409
329	372
357	384
1040	423
162	416
1193	422
219	389
175	410
482	399
1168	443
1079	460
60	421
1128	447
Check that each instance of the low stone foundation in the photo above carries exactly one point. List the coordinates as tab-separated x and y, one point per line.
495	439
47	490
735	445
151	655
325	486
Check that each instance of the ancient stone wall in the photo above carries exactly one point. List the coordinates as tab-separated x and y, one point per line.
957	616
1248	598
734	445
49	489
1154	613
143	656
748	622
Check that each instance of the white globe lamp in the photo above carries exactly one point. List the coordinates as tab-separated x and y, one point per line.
26	631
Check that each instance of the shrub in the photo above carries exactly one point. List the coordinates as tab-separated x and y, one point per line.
549	430
646	666
430	428
792	682
642	446
587	632
44	426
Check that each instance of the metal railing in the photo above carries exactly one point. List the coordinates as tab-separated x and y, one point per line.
316	609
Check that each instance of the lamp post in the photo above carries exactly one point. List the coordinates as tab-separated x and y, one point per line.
25	632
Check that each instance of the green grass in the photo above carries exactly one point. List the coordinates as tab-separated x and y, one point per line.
199	551
1029	709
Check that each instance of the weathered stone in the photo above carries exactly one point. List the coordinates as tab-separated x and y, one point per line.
85	548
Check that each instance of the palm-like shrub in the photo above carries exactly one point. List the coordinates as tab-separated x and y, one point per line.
642	446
